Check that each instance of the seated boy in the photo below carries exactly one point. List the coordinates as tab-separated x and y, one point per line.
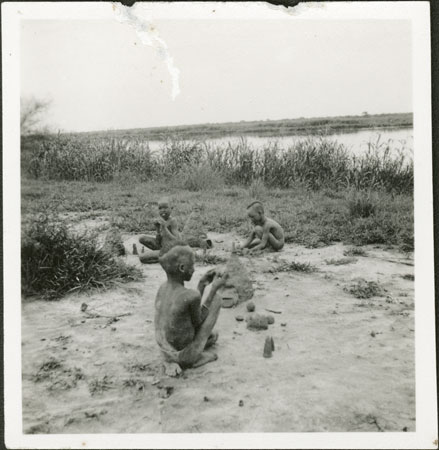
183	326
266	234
166	232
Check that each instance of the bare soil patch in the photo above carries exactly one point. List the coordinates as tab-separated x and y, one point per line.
340	363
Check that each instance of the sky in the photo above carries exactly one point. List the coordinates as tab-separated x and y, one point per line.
99	75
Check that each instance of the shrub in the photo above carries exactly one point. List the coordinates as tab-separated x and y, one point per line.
54	261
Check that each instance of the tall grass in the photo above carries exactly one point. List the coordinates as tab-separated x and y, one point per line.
314	162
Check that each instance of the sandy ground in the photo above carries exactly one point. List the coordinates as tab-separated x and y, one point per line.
340	363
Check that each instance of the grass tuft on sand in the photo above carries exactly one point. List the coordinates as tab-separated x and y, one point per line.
55	261
364	289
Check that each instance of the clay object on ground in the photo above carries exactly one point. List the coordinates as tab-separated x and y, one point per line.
113	243
143	249
283	324
238	278
135	252
239	318
268	348
193	232
272	343
84	306
250	306
270	320
257	322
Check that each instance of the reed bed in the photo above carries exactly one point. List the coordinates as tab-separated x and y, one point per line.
315	162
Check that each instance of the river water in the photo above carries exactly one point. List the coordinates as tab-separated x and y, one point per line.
399	141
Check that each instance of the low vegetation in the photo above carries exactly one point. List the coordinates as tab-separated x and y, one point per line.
355	251
340	261
364	289
54	261
310	218
295	266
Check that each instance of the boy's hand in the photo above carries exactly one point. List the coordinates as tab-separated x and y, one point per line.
159	223
208	276
219	279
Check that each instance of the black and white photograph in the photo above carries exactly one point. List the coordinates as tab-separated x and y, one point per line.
218	223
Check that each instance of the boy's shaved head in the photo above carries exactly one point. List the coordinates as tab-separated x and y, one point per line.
173	258
164	201
257	205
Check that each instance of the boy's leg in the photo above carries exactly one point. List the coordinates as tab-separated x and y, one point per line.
193	355
150	257
254	243
275	243
211	339
257	236
150	242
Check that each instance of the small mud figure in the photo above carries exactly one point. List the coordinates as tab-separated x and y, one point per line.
135	252
250	306
239	287
183	326
268	347
113	243
193	232
166	234
266	234
257	322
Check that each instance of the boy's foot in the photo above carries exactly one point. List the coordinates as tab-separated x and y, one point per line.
212	339
205	358
172	369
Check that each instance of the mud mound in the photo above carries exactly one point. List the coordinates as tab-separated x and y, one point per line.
113	243
193	232
238	287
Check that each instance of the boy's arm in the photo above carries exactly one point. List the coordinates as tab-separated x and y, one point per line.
173	228
249	239
194	298
206	279
264	240
199	311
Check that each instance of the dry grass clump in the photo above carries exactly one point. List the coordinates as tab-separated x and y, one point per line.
408	276
364	289
295	266
257	189
362	204
54	261
340	261
355	251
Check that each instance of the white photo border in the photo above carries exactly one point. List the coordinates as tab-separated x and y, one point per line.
426	407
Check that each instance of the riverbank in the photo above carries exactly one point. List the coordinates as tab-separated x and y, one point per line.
286	127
